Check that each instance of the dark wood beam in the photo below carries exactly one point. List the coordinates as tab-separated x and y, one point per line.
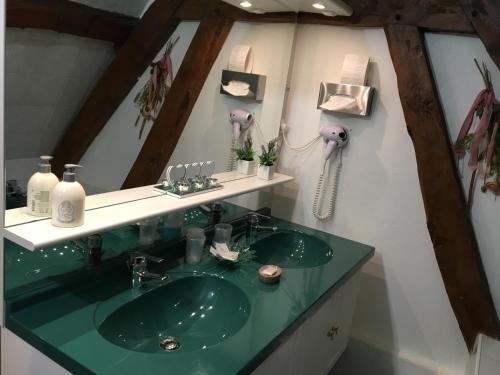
485	17
179	102
132	59
430	15
69	17
192	10
449	225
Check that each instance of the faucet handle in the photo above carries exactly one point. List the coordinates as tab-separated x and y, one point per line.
255	216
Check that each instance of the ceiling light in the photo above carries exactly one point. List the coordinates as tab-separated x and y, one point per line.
246	4
318	6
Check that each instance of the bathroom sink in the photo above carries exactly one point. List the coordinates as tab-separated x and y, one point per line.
292	249
194	312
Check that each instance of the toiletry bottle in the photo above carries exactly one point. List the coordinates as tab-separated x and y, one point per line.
40	186
68	200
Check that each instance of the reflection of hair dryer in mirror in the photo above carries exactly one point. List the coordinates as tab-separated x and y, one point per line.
241	120
336	137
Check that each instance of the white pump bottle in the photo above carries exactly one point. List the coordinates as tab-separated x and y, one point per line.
68	200
40	186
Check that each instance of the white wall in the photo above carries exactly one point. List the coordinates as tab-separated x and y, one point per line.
107	162
458	82
207	135
402	306
48	77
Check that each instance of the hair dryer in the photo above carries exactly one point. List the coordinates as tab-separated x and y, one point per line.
240	120
335	136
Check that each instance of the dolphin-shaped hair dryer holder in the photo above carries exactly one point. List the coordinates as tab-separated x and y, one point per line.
335	136
240	120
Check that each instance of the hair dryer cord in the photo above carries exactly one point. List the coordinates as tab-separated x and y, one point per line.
321	188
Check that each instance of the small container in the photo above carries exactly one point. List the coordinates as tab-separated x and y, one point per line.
195	243
148	230
270	274
223	233
265	172
245	167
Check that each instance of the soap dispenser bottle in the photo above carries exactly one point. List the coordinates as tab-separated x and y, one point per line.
68	200
39	191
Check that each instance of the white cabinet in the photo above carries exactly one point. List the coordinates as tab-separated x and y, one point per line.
317	344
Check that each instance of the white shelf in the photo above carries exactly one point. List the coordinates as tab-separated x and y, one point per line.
39	234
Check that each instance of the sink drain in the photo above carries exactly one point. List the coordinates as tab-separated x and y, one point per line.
170	344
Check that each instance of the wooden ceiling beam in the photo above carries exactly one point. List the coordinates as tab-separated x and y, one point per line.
132	59
179	102
430	15
485	18
69	17
448	221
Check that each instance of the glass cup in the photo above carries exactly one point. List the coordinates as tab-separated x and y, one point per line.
195	242
148	230
223	233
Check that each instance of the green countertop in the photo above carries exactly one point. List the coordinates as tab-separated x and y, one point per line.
62	325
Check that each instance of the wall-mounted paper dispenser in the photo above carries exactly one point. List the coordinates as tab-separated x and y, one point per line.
343	98
243	85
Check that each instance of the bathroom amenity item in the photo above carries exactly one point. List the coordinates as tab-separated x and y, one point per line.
247	86
270	274
223	233
68	200
240	120
195	242
40	186
221	251
189	185
266	160
148	230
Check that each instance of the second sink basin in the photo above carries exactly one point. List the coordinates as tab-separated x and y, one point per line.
195	312
292	249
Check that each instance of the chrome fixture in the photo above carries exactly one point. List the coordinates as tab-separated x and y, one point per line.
138	263
90	248
213	212
253	226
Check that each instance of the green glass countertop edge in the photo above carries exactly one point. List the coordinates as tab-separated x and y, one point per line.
72	340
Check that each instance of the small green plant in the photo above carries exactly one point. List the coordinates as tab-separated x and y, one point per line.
246	152
269	156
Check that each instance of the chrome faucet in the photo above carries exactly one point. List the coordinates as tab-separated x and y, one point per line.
91	249
139	265
253	226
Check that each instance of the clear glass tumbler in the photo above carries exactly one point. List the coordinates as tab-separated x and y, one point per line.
223	233
148	230
195	242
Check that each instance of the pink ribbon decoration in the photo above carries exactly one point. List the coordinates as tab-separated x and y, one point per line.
481	129
464	130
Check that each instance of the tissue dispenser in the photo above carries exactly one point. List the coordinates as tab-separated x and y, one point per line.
343	98
255	84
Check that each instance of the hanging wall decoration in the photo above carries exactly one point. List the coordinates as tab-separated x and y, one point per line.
151	96
482	144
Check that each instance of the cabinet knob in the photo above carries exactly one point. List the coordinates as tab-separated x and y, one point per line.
332	332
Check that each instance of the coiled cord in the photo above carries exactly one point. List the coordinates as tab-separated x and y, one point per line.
232	159
321	188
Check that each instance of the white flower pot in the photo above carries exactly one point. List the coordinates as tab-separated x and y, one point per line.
245	167
266	173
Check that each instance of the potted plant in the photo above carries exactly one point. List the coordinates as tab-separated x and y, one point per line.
245	162
266	161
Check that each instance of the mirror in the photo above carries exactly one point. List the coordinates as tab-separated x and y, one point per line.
50	74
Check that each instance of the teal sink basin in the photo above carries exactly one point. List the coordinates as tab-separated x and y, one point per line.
194	312
292	249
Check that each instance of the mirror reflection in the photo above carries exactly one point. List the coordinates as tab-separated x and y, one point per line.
53	76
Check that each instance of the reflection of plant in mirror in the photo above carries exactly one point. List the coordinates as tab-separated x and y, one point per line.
149	99
246	152
269	156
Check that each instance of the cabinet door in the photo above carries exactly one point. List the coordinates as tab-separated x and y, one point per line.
316	345
324	335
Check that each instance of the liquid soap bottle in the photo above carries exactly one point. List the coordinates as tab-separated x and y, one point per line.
40	187
68	200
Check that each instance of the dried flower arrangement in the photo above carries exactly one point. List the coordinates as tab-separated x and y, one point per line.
151	96
246	152
483	144
269	156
